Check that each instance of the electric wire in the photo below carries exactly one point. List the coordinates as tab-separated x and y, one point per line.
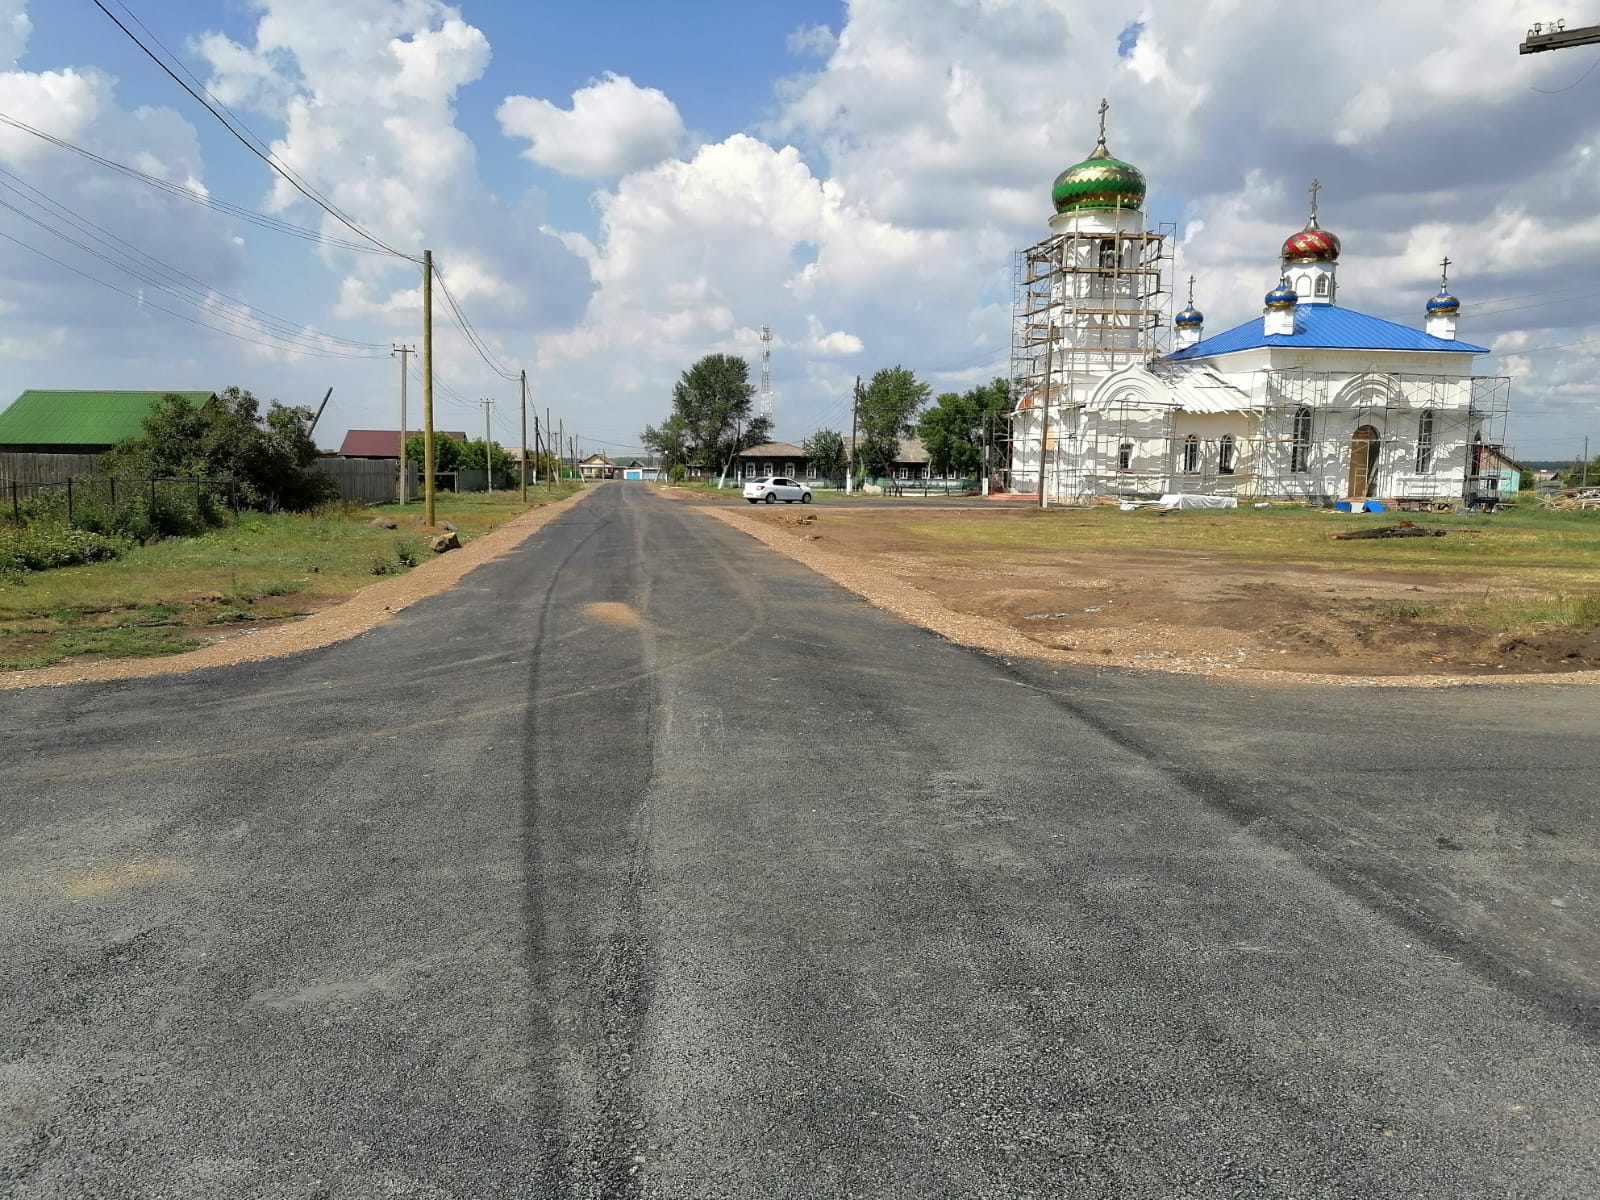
144	303
263	220
234	125
471	334
176	283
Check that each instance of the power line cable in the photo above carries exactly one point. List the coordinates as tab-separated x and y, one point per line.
474	339
179	281
263	220
144	303
211	105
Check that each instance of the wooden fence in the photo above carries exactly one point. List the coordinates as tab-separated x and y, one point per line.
23	466
363	480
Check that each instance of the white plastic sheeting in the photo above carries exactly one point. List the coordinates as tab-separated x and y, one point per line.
1188	500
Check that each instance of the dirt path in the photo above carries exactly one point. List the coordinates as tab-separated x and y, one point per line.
362	611
1163	611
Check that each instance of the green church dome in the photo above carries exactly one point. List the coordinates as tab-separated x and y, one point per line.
1098	182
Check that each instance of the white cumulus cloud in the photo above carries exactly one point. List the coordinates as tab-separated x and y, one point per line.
613	126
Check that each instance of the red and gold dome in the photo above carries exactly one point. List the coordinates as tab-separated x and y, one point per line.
1312	244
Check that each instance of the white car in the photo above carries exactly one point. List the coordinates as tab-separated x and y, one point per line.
773	488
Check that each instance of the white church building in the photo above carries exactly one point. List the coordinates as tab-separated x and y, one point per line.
1310	401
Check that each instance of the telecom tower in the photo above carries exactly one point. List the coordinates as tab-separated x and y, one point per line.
766	371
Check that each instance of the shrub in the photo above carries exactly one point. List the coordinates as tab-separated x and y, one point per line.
46	546
129	508
677	473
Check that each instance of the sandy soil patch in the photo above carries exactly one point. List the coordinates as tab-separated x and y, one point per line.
369	607
1172	610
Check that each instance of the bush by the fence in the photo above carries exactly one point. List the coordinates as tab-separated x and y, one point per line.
41	547
127	508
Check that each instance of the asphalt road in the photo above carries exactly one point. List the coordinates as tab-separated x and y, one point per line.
647	863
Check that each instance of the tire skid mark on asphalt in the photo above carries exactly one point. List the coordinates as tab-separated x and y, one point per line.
282	745
1363	884
544	1033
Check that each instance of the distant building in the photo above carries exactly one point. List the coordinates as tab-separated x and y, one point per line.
384	443
597	466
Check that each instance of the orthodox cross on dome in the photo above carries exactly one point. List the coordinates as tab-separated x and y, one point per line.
1444	272
1191	291
1103	107
1316	186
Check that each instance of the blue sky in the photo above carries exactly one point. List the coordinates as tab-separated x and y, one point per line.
614	190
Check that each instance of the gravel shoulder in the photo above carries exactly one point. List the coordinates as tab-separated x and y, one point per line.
369	607
1128	648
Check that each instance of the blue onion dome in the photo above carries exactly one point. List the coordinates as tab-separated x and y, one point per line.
1190	318
1281	297
1444	305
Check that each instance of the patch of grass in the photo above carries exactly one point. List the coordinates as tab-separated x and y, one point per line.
1403	609
167	586
121	642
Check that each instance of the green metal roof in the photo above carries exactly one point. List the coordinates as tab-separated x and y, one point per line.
38	418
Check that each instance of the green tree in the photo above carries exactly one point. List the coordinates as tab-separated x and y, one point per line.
953	430
270	455
711	418
825	449
883	415
472	457
447	452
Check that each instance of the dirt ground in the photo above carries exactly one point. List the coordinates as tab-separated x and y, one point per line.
1179	610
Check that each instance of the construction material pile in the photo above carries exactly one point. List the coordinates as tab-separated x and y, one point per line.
1574	499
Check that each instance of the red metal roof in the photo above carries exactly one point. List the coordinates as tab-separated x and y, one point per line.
384	443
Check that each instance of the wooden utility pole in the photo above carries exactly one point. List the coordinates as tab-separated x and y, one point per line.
551	464
427	389
405	353
561	445
1556	36
850	450
488	458
1044	424
524	409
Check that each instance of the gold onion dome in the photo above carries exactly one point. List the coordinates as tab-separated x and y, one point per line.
1098	182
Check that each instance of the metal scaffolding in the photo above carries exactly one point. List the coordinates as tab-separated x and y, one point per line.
1086	303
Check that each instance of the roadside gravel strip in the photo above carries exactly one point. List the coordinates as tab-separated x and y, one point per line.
369	607
1129	650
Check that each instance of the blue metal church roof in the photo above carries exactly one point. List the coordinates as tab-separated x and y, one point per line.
1326	327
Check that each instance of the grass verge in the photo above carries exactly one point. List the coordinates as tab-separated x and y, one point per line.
174	595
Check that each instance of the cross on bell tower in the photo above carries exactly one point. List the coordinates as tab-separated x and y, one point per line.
1316	186
1444	273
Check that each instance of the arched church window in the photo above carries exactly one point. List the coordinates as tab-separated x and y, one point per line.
1125	456
1227	454
1425	442
1322	285
1191	455
1300	451
1108	254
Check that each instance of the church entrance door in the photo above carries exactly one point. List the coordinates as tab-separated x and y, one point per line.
1363	462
